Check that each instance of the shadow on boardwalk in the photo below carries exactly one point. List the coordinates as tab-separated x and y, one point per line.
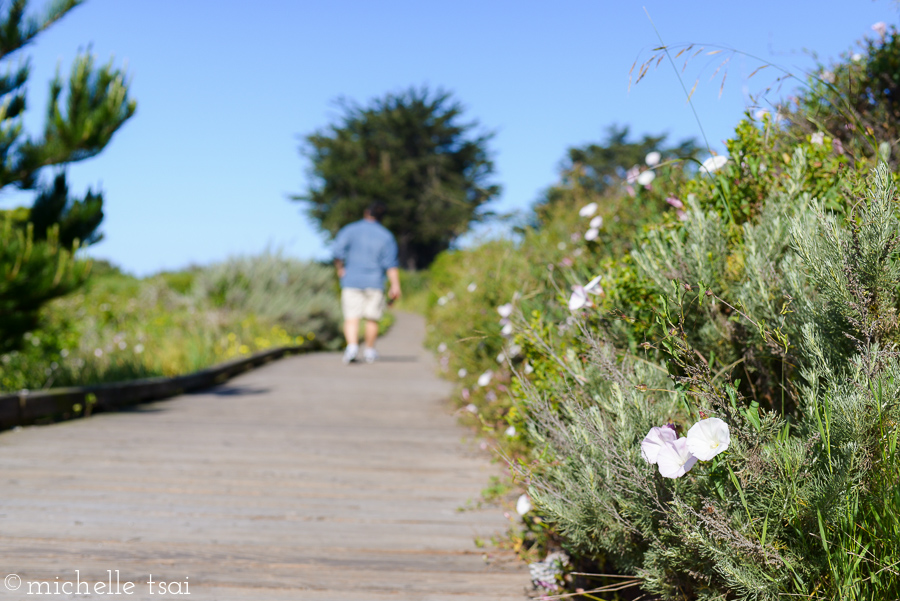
305	479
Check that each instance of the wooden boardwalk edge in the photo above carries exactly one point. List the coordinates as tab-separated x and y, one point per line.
29	407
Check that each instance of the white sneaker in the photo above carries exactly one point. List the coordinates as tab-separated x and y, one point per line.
370	355
350	353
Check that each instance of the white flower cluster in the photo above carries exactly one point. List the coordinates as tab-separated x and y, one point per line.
505	311
676	456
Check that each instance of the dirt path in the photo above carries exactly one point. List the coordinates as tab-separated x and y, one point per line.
304	479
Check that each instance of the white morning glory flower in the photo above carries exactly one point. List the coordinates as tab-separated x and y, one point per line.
462	373
523	505
442	301
485	378
880	28
707	438
654	441
593	287
674	459
588	209
856	57
471	287
591	234
597	222
578	298
505	310
511	431
528	369
501	357
507	329
652	159
713	163
817	138
646	177
514	351
471	408
442	348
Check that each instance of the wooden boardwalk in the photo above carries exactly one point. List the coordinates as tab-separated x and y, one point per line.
304	479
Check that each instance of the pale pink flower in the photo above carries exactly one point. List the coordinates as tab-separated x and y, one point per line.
505	310
632	174
674	459
588	209
880	28
578	299
675	202
837	146
654	441
652	159
596	222
591	234
629	190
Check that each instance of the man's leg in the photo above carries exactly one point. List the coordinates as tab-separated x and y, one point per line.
351	305
373	312
371	333
351	332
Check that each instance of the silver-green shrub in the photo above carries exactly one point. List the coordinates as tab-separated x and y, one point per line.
300	296
786	328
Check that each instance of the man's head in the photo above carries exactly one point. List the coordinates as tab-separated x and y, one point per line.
375	211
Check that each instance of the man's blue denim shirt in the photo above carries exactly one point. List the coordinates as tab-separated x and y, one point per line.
368	250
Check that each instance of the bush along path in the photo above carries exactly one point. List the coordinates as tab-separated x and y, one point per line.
305	479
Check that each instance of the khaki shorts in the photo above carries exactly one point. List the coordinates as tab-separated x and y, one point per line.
365	303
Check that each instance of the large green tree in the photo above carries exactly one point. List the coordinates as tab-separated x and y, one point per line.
37	247
413	152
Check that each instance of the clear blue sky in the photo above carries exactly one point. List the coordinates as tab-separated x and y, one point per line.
226	88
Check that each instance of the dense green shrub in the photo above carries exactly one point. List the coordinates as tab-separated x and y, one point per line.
298	296
120	327
763	292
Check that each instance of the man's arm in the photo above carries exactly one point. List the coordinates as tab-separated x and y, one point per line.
393	275
339	250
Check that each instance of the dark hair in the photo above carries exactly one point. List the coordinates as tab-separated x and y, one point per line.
376	210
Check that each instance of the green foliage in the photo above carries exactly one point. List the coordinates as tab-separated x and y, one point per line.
766	296
31	273
295	295
119	327
83	114
411	152
854	101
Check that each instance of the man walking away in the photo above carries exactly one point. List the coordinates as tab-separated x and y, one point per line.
364	251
